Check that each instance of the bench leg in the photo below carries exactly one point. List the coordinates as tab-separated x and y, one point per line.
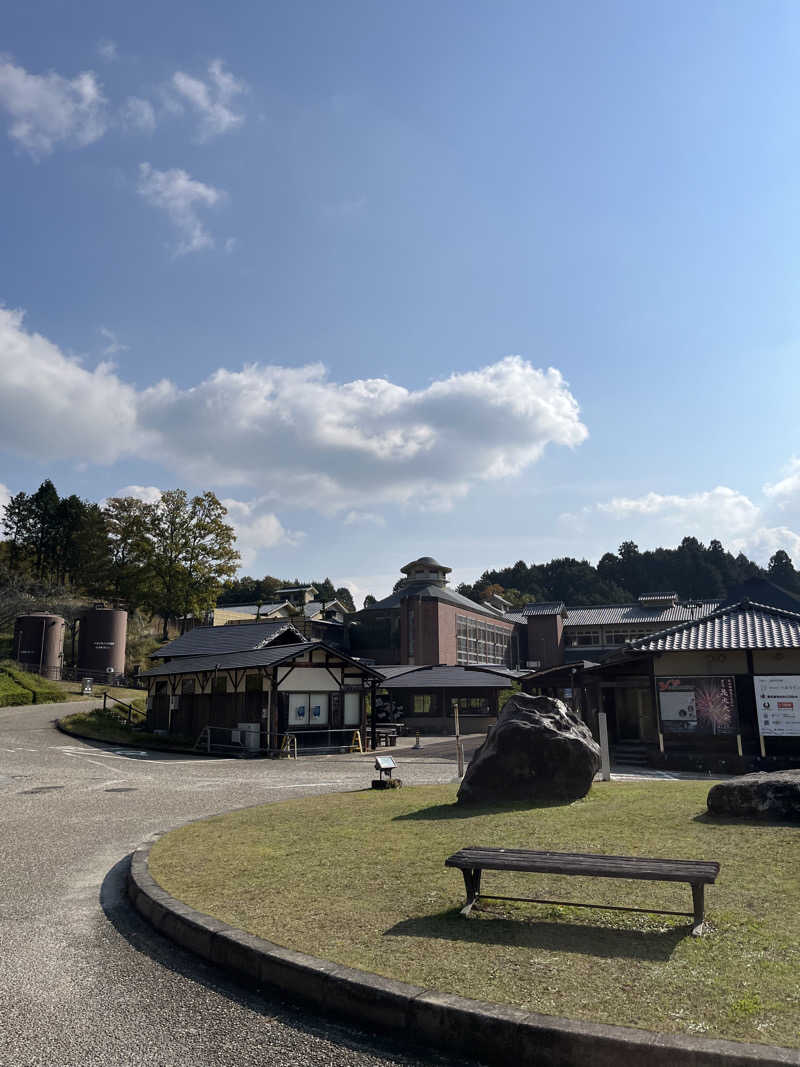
472	884
699	927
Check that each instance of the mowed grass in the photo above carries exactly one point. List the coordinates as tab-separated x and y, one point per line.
359	878
109	724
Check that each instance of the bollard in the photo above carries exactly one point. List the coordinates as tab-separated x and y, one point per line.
416	743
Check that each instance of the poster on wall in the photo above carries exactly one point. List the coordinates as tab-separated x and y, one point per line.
698	705
778	704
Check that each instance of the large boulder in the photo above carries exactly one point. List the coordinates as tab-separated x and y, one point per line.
763	795
539	752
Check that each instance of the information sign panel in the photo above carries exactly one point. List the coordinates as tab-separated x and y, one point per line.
778	704
698	705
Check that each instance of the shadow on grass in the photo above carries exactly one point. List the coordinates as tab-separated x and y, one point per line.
601	941
438	812
732	821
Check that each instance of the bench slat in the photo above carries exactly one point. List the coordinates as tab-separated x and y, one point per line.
580	863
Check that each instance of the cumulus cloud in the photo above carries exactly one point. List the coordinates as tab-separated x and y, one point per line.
786	492
52	406
211	100
150	494
256	529
727	514
138	115
344	447
291	434
47	110
363	518
180	196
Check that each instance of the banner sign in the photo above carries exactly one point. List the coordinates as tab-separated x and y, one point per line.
698	705
778	704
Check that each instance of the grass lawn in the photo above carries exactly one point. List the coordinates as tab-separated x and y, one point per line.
38	690
359	878
107	725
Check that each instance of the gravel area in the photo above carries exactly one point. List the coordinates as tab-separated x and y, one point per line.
83	981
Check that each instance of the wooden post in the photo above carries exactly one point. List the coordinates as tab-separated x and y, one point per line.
373	727
459	749
605	758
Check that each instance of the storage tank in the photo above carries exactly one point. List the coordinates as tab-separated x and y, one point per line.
101	642
39	643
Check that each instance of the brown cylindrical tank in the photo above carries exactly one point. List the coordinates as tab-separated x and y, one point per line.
39	643
101	642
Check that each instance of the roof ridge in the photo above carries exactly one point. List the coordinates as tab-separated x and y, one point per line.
728	609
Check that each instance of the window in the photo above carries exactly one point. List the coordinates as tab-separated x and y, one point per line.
308	709
352	709
582	638
479	641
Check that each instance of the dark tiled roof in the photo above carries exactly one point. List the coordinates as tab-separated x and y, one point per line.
219	640
741	626
637	614
561	668
546	607
447	678
260	657
657	597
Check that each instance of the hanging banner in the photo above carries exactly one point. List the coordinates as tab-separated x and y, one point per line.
778	704
698	705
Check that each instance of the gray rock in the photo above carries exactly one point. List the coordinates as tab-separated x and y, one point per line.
539	752
763	795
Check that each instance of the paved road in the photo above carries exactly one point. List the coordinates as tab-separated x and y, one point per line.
83	981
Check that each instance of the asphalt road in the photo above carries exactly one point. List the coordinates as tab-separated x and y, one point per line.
83	980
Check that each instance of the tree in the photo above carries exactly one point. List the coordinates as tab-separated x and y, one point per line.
190	553
345	598
370	601
127	520
781	571
16	522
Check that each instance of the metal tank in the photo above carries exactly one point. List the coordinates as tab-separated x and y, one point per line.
101	642
39	643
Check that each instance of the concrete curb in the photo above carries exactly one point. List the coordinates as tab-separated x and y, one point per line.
494	1033
65	730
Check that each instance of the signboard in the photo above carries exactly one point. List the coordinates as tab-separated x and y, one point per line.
778	704
698	705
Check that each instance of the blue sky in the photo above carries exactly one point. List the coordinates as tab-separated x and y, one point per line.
287	251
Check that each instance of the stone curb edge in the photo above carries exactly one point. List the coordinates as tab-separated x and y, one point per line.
492	1032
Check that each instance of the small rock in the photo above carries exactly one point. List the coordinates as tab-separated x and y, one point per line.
539	752
763	795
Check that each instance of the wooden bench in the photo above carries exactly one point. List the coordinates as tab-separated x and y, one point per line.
473	861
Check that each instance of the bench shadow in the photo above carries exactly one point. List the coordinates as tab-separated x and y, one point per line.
577	939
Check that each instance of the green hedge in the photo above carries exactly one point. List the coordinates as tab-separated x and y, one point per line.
12	694
40	690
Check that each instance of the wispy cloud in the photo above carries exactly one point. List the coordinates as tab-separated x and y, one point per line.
107	50
138	114
180	196
47	110
113	345
212	100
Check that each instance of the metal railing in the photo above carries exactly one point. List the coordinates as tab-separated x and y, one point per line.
130	708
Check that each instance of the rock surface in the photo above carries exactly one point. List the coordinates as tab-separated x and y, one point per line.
763	795
539	751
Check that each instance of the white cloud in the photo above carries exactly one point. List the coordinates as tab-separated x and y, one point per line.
290	433
786	492
723	513
256	530
138	114
179	195
107	50
47	110
211	101
150	494
720	508
52	406
113	345
339	447
363	518
5	497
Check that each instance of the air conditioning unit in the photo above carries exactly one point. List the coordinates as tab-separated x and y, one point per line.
534	664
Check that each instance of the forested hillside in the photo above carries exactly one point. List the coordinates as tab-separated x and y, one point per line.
692	570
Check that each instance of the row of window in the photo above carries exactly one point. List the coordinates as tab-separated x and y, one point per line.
587	638
481	642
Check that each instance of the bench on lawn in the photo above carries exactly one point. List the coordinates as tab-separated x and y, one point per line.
473	861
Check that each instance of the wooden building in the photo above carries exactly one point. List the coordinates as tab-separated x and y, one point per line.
309	692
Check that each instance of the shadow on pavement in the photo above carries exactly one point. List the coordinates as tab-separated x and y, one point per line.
601	941
266	1002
